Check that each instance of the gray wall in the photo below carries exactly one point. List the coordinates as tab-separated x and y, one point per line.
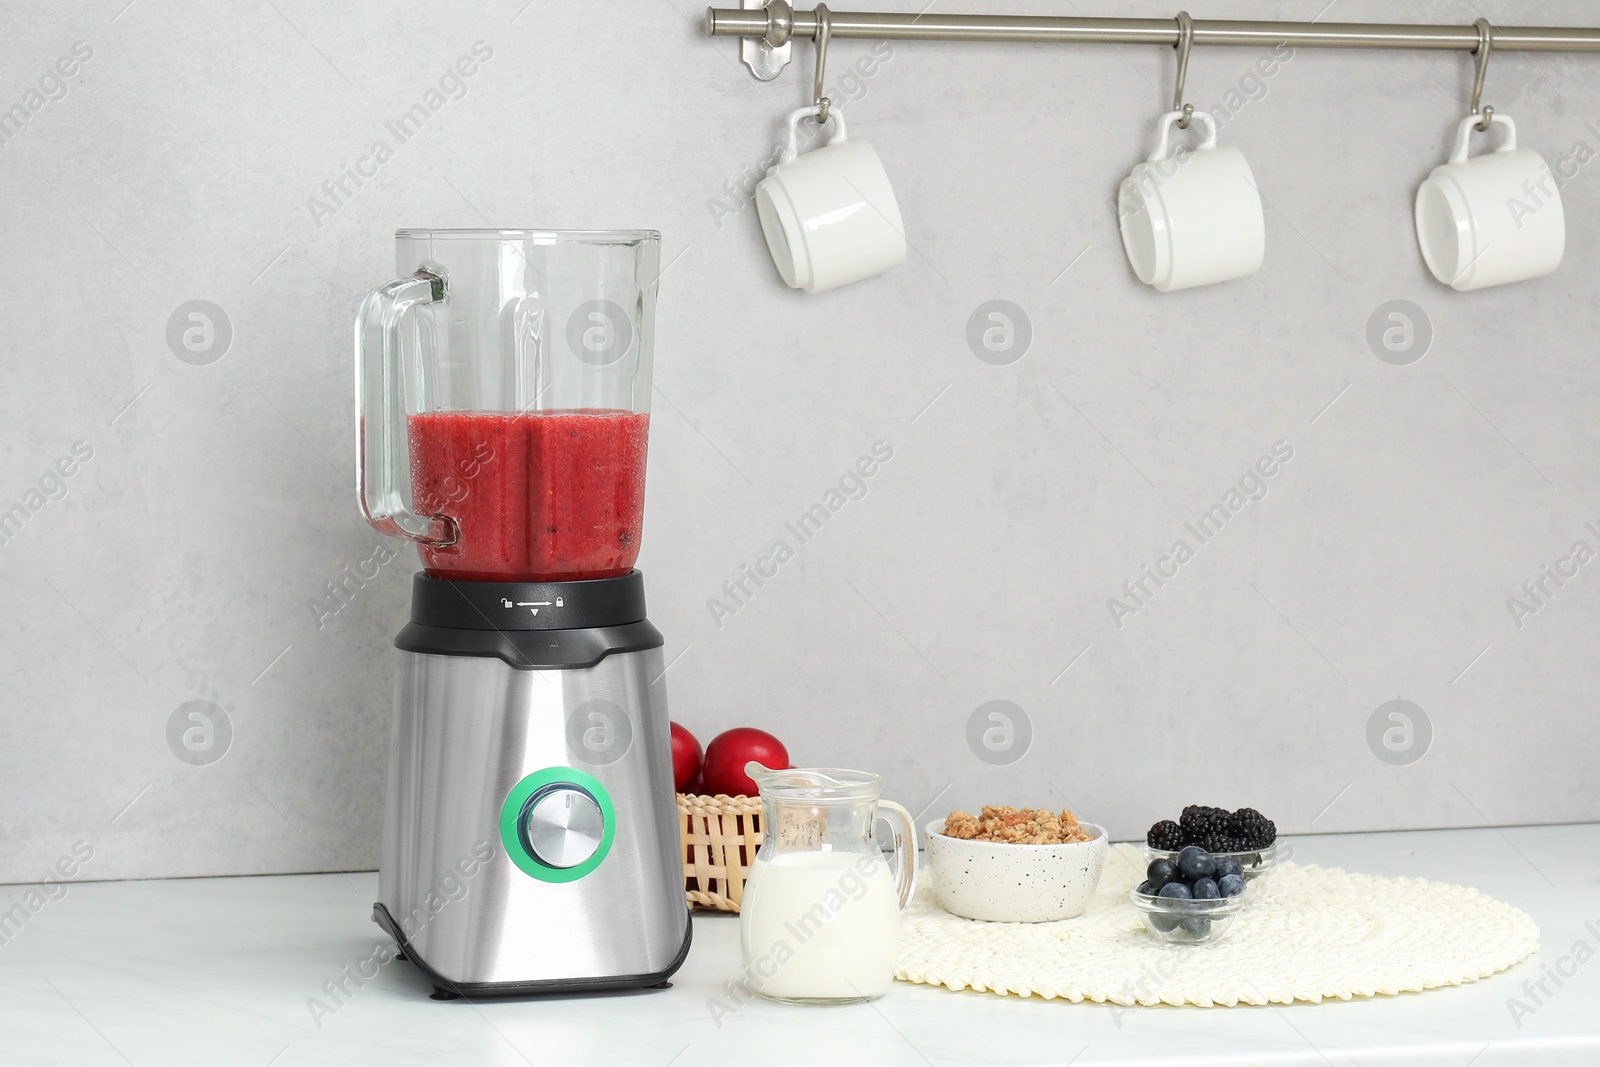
180	563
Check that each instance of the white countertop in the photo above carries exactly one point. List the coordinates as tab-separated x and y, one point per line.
221	970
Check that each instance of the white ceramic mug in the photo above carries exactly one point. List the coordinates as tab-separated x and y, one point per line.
829	216
1191	216
1493	218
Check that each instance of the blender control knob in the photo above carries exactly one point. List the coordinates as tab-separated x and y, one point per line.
563	827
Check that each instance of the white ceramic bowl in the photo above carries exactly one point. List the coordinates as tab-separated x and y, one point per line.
1004	883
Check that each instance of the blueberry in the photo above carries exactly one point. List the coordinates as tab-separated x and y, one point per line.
1231	885
1166	924
1226	866
1160	872
1205	889
1198	925
1176	891
1195	862
1147	889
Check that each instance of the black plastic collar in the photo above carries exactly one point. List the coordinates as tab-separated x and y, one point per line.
529	625
527	605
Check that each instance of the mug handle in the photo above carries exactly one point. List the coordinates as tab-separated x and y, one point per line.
1464	134
793	148
1168	123
382	463
905	847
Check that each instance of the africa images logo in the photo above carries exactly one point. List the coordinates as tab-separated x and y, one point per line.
852	485
337	191
1252	488
52	87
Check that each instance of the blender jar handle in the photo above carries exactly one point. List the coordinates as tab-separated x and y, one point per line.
905	850
382	465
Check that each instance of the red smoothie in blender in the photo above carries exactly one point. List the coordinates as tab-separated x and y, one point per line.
535	496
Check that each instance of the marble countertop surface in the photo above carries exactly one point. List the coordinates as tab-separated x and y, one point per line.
235	971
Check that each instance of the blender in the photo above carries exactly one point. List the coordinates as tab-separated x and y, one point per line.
530	837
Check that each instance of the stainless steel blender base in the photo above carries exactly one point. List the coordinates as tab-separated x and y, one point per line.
461	885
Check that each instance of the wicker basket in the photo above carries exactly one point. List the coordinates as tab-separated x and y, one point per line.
719	837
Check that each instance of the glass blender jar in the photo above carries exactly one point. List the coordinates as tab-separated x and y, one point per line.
525	396
503	397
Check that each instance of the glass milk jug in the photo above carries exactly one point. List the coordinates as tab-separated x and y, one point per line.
820	918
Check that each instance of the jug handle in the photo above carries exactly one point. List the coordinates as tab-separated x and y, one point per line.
905	850
382	462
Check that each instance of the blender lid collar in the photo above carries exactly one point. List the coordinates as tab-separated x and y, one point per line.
503	606
541	650
529	625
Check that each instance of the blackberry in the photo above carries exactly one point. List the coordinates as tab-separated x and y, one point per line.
1253	829
1165	835
1202	825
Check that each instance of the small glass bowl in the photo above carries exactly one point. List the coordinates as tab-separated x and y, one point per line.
1257	864
1187	922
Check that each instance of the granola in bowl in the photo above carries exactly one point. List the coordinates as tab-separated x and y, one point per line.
1013	826
977	874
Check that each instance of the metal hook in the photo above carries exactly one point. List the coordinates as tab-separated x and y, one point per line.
1185	43
1485	45
824	31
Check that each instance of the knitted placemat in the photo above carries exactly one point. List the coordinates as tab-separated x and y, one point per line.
1308	933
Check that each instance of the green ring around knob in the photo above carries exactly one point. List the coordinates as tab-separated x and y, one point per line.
511	812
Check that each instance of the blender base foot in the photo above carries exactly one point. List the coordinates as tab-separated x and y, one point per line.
445	989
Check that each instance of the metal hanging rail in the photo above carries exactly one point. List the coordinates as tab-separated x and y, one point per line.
771	28
777	24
